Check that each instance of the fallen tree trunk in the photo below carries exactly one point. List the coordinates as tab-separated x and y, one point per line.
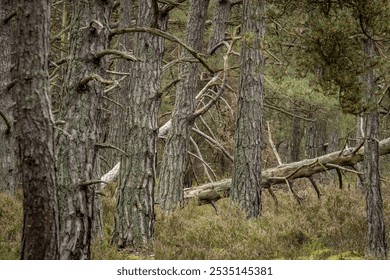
286	173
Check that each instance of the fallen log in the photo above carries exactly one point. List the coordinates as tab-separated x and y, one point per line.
286	173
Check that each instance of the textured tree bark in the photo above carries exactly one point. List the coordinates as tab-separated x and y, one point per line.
34	130
7	150
291	171
220	19
296	138
377	247
246	188
134	220
175	156
316	139
81	112
116	106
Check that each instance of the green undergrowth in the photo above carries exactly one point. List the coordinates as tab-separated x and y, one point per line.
332	228
11	212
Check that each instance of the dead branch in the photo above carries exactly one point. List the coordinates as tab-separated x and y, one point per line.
314	184
214	142
116	54
109	146
291	171
165	35
93	77
199	156
271	142
7	122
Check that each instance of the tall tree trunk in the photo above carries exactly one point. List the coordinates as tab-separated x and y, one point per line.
7	136
296	137
220	19
114	121
246	189
134	221
377	247
34	130
175	156
81	112
316	139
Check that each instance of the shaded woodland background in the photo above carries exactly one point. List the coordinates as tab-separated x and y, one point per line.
179	94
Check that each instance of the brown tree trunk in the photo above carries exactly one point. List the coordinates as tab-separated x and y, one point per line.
220	19
175	156
246	188
316	139
377	247
296	138
134	220
81	113
34	130
7	136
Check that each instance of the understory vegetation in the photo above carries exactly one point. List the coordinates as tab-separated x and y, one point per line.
333	227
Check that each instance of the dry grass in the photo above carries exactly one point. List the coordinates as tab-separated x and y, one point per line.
11	212
333	228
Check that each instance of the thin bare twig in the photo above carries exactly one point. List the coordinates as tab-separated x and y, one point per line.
165	35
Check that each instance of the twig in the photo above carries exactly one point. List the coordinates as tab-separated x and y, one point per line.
118	73
7	122
117	54
287	113
165	35
314	184
92	182
110	146
273	195
213	141
296	196
340	177
343	168
212	202
169	86
205	163
94	77
357	148
113	101
271	142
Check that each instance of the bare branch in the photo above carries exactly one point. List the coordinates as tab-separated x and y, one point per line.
206	166
165	35
293	192
94	77
314	184
7	122
213	141
274	197
291	171
287	113
92	182
117	54
110	146
271	142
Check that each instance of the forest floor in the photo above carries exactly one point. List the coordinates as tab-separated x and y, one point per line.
331	228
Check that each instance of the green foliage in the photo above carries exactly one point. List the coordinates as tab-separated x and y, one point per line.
10	226
334	36
333	228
